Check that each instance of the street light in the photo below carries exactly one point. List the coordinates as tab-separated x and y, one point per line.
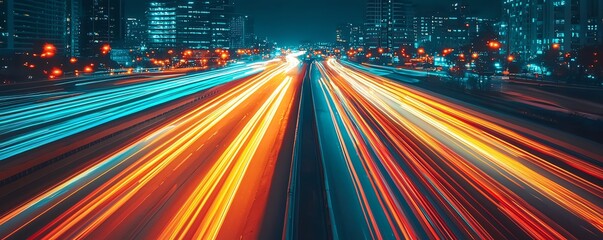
49	50
494	44
105	49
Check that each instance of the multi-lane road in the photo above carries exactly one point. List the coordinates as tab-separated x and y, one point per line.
285	149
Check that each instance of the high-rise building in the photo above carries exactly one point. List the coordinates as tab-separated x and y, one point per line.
28	23
529	27
342	35
193	24
161	16
136	32
430	31
221	13
356	37
73	27
103	21
189	24
389	24
241	32
349	35
3	24
452	29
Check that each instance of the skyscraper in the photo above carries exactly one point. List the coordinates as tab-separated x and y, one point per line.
193	25
103	21
135	33
241	32
349	35
189	24
342	35
73	27
3	24
161	17
529	27
27	23
221	14
389	24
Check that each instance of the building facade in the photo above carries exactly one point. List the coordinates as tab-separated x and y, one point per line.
530	27
26	24
189	24
103	22
3	24
222	12
73	27
135	33
241	32
161	16
349	35
389	24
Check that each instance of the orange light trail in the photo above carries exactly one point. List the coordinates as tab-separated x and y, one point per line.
442	170
198	160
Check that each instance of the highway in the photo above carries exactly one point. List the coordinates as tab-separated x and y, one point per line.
402	162
209	173
286	149
32	120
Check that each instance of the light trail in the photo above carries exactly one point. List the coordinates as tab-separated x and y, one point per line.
28	126
438	169
197	163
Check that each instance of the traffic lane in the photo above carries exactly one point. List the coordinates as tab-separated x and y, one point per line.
466	153
272	223
564	148
127	130
50	121
353	203
516	92
40	136
90	199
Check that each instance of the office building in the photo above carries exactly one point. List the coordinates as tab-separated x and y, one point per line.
530	27
103	22
189	24
241	32
3	24
73	27
136	32
27	24
161	16
222	12
389	24
349	35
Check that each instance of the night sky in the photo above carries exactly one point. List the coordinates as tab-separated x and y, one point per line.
292	21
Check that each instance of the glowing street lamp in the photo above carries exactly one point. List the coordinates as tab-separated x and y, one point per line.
105	49
556	46
494	44
49	50
511	58
474	55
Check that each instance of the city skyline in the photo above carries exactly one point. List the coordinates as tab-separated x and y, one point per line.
314	20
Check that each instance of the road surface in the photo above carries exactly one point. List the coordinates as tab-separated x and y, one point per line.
401	162
206	174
